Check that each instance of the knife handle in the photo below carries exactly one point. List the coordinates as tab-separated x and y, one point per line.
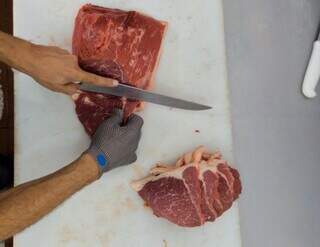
312	75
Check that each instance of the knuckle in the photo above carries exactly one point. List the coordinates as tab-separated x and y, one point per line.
72	73
62	90
96	79
71	59
80	76
54	48
68	70
60	50
86	77
74	58
76	67
57	90
134	157
138	125
64	51
141	121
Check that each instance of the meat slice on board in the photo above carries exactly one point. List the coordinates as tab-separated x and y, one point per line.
123	45
198	188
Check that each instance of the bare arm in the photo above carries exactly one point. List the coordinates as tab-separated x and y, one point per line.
52	67
17	189
27	203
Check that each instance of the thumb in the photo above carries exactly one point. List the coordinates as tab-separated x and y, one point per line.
135	122
115	119
70	88
132	158
96	79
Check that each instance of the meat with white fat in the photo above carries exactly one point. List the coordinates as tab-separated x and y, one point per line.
198	188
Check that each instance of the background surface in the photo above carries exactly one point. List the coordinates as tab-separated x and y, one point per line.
276	130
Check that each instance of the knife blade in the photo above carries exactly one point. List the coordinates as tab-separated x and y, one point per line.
134	93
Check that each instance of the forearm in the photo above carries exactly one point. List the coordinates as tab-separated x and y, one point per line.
17	189
28	204
13	51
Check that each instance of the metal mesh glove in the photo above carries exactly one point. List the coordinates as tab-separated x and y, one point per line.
114	145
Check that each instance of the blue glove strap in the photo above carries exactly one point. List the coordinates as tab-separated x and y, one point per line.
101	160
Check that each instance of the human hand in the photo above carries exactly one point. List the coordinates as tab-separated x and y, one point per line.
114	145
58	70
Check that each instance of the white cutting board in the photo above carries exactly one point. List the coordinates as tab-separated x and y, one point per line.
49	135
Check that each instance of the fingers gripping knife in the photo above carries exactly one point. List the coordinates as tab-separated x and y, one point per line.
134	93
312	75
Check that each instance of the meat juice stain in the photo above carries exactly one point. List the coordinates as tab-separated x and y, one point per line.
119	188
67	235
165	243
138	171
104	239
129	204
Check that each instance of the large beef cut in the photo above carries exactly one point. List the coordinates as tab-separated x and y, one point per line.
198	188
123	45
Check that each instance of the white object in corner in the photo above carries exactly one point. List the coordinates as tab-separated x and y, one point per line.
312	75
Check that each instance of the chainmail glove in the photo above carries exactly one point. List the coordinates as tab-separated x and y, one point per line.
114	145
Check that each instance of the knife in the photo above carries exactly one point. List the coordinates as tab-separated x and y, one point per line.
134	93
312	75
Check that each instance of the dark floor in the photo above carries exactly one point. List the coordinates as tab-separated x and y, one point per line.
6	123
6	80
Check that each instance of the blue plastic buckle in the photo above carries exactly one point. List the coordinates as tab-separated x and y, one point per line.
101	160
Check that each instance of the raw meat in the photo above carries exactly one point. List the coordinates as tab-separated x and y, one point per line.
124	45
198	188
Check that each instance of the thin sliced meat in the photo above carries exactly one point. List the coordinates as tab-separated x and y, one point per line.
199	187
